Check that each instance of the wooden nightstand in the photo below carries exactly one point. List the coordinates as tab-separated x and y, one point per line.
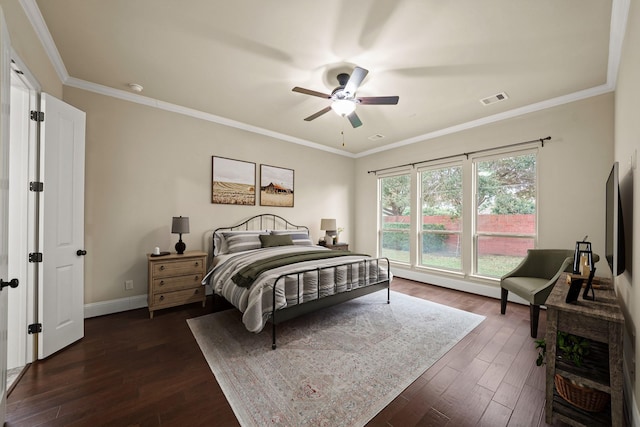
175	280
338	247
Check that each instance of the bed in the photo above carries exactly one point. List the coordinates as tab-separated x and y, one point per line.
270	270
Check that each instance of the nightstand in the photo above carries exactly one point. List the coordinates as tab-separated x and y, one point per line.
338	247
176	280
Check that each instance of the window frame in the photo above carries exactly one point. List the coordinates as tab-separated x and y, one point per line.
420	231
477	235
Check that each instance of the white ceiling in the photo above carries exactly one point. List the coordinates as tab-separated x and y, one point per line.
235	62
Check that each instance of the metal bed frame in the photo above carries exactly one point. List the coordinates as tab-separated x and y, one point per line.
365	284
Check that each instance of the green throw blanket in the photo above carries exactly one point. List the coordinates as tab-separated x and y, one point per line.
247	275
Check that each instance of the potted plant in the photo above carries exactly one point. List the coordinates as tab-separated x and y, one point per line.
573	349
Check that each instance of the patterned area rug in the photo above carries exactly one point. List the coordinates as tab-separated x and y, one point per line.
336	367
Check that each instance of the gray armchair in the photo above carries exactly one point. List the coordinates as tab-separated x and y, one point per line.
534	278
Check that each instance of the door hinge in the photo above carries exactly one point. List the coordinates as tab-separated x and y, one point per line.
37	116
35	328
35	257
36	186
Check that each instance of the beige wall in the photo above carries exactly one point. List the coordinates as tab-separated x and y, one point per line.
627	144
27	45
572	170
145	165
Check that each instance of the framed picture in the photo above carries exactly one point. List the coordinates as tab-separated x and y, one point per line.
276	186
233	182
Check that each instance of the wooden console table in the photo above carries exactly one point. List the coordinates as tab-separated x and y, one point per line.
600	321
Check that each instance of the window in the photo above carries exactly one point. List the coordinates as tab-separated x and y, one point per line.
505	220
440	234
395	217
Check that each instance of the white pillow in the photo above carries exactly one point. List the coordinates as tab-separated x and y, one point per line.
299	237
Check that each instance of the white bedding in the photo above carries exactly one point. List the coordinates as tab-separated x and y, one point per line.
255	302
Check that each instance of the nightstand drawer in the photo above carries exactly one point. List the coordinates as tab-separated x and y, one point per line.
177	268
178	297
176	283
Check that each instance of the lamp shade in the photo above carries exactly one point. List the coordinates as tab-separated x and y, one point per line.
343	107
328	224
180	225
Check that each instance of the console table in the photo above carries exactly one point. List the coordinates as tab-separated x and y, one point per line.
602	322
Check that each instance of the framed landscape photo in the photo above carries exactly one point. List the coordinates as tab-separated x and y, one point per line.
233	182
276	186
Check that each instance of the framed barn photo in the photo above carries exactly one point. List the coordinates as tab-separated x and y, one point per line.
276	186
233	182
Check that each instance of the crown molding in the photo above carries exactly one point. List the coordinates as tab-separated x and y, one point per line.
618	25
543	105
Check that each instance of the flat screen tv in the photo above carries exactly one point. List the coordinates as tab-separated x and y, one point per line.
614	233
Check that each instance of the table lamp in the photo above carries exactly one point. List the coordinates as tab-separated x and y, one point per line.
329	226
180	225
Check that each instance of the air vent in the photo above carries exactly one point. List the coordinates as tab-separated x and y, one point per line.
494	98
376	137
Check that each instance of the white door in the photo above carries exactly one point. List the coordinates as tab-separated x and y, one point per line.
61	281
5	88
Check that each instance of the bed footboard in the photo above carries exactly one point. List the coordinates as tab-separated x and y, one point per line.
377	276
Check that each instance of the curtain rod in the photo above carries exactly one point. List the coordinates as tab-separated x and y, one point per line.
540	140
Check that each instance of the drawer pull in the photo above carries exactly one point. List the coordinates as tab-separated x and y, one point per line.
197	263
161	267
161	282
161	297
197	291
195	279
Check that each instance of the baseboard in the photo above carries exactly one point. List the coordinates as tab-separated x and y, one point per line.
114	306
103	308
459	284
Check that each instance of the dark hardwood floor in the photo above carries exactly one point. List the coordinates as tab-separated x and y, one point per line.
129	370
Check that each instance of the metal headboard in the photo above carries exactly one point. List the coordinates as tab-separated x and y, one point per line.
260	222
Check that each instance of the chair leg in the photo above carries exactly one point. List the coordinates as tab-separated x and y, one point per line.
534	314
503	301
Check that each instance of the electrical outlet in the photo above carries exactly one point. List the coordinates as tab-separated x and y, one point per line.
128	285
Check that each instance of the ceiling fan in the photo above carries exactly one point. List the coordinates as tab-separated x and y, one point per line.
344	98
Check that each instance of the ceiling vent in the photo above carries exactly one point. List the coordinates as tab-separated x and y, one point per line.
376	137
494	98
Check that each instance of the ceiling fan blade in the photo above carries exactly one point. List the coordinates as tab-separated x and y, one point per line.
357	76
380	100
311	92
354	119
318	114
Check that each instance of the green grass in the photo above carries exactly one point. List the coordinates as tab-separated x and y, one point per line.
488	265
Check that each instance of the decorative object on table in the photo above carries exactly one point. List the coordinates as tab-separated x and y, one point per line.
233	182
573	349
583	258
180	225
276	186
583	264
329	227
574	290
336	239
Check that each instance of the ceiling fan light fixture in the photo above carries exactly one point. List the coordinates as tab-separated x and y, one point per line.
343	107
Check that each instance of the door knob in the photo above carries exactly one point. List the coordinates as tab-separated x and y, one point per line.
13	283
81	252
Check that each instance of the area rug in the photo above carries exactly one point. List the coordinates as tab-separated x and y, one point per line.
336	367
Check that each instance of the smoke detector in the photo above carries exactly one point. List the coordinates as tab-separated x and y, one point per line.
494	98
135	87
